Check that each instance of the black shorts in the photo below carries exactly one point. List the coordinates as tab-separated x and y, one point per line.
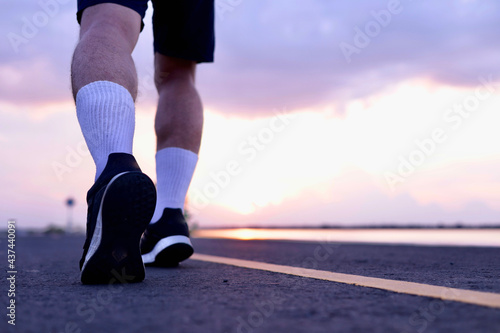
181	28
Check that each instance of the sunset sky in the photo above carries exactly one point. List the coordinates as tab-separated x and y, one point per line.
342	112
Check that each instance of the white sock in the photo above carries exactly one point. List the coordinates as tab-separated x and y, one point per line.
106	114
174	171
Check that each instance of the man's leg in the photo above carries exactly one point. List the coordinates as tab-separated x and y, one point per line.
179	118
104	79
183	36
122	200
178	127
108	35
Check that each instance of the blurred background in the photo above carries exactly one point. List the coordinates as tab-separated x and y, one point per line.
317	113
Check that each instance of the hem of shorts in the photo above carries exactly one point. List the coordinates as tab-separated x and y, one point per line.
79	12
198	60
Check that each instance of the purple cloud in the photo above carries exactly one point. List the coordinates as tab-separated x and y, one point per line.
281	53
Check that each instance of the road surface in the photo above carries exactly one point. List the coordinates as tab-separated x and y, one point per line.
201	296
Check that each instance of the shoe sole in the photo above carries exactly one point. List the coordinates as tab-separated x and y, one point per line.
127	206
169	252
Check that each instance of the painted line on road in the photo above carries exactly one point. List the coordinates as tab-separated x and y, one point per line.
412	288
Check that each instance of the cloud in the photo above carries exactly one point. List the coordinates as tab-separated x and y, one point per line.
280	55
354	200
35	56
275	54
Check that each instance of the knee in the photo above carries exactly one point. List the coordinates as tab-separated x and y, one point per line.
173	71
113	24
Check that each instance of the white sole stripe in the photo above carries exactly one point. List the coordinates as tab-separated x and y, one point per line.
149	257
480	298
97	235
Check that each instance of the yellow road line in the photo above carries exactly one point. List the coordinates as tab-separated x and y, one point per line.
449	294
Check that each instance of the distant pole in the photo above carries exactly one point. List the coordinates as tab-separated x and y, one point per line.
70	202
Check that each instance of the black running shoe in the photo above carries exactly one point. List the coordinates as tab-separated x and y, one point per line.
166	243
120	205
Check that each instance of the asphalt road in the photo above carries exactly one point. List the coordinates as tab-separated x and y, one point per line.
207	297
